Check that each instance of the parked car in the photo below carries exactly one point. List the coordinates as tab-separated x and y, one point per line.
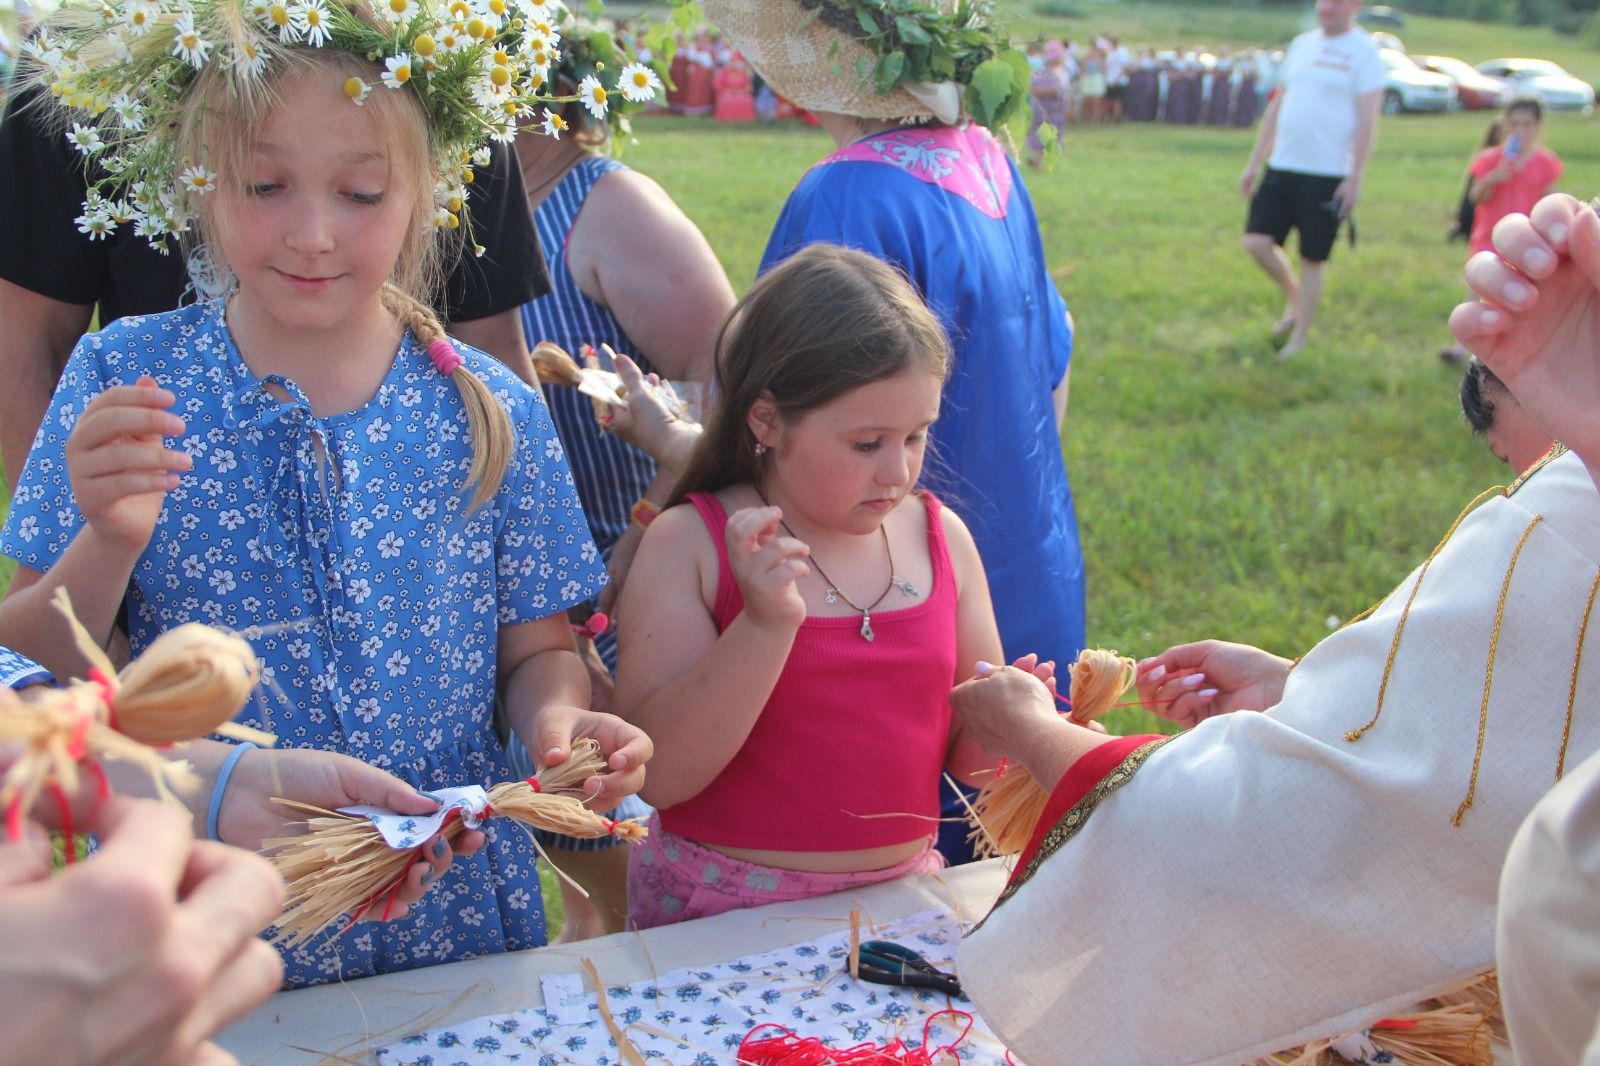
1387	40
1558	90
1383	15
1413	89
1478	92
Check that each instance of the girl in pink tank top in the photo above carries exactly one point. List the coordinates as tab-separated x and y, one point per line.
789	639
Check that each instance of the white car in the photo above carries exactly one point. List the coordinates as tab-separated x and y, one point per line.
1413	89
1555	88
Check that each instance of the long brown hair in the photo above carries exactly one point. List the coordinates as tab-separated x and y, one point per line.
824	322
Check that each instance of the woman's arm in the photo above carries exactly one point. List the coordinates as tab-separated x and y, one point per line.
696	692
977	639
633	250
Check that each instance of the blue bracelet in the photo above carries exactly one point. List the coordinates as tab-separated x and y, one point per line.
222	786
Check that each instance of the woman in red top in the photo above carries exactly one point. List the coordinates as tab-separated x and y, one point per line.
794	661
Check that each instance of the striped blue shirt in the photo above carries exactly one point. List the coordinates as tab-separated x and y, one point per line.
610	474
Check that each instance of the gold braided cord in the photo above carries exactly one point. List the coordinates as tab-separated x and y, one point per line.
1488	673
1577	663
1394	645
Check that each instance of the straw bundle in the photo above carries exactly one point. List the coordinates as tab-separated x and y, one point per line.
1005	812
343	866
188	684
554	366
1456	1028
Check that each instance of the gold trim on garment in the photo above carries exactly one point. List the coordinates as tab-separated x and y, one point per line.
1075	819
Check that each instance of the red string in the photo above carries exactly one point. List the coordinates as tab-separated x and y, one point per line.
108	691
533	783
792	1049
101	785
14	819
69	846
1000	771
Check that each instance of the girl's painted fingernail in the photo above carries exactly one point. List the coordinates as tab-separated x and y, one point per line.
1489	317
1156	675
1538	259
1206	693
1517	292
1192	680
1558	232
983	669
428	877
552	753
438	847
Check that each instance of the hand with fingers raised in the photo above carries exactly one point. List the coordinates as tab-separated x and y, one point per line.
1192	682
120	468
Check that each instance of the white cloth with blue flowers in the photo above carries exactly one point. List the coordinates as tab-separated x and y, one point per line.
698	1017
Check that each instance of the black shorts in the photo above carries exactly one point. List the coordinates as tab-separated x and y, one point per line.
1287	200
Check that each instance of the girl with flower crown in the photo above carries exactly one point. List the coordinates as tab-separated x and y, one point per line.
306	456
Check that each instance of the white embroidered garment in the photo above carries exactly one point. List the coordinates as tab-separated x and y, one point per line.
698	1017
1262	881
1548	941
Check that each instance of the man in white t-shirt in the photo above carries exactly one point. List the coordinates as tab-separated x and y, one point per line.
1315	137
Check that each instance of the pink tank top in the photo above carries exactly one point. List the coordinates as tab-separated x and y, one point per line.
853	732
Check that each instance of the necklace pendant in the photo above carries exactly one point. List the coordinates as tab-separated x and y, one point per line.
907	588
831	596
866	628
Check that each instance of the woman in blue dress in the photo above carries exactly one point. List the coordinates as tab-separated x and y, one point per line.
914	184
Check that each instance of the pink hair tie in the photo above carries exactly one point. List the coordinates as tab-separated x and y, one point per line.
444	355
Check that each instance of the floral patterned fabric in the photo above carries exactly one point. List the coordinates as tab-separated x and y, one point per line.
343	548
19	671
698	1017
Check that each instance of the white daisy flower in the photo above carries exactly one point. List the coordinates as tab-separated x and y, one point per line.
129	110
138	19
97	226
284	20
553	124
399	10
502	132
313	15
638	83
357	90
85	139
593	95
197	179
480	156
118	40
187	43
452	38
247	59
259	8
397	71
424	45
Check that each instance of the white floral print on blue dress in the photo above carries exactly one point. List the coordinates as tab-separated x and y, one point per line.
698	1017
379	593
19	671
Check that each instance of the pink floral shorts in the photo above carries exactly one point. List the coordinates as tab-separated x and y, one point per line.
673	879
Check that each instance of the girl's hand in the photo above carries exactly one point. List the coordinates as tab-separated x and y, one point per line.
625	746
1192	682
1536	319
328	780
119	468
768	568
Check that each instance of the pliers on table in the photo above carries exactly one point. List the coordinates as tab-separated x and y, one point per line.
885	963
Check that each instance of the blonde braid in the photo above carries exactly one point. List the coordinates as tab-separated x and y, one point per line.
493	439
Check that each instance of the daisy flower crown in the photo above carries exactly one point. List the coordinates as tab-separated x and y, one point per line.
119	72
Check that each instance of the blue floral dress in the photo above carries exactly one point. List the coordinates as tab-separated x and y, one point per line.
343	548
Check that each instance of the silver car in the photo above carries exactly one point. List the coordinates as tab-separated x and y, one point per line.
1411	88
1555	88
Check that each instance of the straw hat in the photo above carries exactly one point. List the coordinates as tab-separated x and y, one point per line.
793	48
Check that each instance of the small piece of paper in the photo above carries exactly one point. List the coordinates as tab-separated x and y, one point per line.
565	1001
405	831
